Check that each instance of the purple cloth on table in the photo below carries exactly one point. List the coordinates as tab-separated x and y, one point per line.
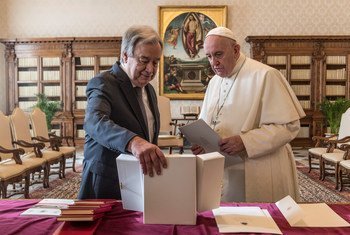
120	221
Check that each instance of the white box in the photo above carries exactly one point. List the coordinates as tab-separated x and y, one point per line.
130	182
210	172
188	185
166	199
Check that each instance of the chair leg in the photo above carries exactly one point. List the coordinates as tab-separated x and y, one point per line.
26	186
336	175
323	164
309	162
3	187
170	150
181	150
321	168
340	173
63	167
73	163
46	176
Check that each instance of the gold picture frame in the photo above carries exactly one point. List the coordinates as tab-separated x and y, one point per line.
184	70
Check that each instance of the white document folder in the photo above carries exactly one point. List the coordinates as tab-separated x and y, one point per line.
309	215
245	220
166	199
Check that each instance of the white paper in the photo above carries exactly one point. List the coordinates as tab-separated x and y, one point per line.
245	220
200	133
56	201
290	210
309	215
41	212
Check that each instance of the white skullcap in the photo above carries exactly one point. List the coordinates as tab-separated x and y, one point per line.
221	31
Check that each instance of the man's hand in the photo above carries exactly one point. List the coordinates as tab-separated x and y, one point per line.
196	149
150	155
232	145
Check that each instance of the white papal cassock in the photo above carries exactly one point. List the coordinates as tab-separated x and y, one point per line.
262	108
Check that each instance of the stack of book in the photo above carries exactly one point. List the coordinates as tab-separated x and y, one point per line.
71	210
86	210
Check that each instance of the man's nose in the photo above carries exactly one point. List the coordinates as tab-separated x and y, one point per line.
216	61
150	67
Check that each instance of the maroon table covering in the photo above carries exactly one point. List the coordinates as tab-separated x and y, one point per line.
120	221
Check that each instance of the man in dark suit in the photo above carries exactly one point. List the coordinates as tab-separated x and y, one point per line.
122	115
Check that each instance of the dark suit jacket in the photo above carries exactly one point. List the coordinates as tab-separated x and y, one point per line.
113	117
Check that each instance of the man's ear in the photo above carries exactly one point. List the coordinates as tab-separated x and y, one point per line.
125	57
237	49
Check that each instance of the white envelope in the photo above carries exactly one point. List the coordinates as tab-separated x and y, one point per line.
210	171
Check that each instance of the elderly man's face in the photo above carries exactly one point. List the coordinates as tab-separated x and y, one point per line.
222	54
143	65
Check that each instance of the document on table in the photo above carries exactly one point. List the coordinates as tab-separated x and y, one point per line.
309	215
245	220
198	132
41	212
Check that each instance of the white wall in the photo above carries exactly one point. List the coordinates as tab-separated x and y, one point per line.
58	18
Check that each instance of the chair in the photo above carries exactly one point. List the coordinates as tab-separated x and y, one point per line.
323	145
332	157
13	167
53	142
22	137
167	138
344	169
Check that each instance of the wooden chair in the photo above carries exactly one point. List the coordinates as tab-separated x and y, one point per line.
167	138
53	142
332	157
22	137
323	145
14	167
344	173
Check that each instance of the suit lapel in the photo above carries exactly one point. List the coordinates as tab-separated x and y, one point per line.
130	95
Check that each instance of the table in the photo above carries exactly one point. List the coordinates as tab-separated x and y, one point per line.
120	221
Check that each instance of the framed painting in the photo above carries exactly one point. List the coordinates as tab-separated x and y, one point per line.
184	69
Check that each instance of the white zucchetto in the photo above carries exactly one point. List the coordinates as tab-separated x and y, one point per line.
221	31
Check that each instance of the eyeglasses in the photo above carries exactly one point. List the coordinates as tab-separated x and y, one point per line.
144	61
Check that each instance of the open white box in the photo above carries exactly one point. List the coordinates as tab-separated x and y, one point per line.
189	182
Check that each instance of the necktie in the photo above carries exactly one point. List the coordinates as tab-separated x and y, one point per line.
140	100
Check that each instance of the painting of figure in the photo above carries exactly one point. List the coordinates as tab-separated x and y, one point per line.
185	69
192	34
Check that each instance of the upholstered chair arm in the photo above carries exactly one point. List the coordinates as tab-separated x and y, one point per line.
15	153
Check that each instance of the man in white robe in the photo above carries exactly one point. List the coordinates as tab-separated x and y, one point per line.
256	113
